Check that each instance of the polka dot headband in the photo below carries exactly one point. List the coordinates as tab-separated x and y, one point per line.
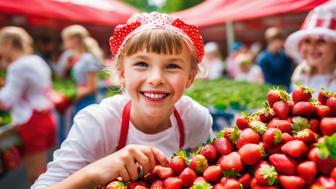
146	21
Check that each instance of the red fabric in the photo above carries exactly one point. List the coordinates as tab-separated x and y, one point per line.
39	133
125	125
236	10
59	10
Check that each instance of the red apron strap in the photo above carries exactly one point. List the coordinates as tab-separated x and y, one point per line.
124	125
180	127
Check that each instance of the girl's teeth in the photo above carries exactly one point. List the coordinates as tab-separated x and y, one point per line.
152	95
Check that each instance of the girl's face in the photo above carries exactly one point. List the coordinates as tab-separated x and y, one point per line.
5	51
155	82
69	42
320	52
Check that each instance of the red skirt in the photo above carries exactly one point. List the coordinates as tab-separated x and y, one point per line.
39	133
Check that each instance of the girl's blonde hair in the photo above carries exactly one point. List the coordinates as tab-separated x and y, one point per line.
90	45
19	38
158	41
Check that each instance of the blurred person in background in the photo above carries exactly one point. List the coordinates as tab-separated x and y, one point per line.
248	71
275	64
25	95
213	64
315	44
232	67
86	59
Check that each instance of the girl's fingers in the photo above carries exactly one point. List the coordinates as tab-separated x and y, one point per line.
151	158
132	168
160	157
124	174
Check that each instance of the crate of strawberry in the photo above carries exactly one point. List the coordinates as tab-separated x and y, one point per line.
289	144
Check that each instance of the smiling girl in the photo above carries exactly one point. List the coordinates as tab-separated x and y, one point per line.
316	44
157	59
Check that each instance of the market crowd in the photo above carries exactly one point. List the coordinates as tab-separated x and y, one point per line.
307	56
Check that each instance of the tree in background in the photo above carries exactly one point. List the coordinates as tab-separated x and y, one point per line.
168	6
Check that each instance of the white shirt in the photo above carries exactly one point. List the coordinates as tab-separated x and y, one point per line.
96	129
251	76
28	78
215	68
316	82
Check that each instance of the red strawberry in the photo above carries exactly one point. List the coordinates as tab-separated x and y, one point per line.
218	186
323	96
232	134
116	185
307	170
136	184
328	125
199	180
248	136
286	138
245	180
333	174
302	94
266	114
163	172
213	173
178	162
291	182
172	183
158	184
243	121
283	125
271	149
272	136
198	163
209	152
295	148
283	164
324	183
299	123
232	184
188	176
281	109
307	136
265	187
314	125
232	163
140	187
223	145
331	103
266	175
150	177
276	95
305	109
250	154
200	184
322	111
258	126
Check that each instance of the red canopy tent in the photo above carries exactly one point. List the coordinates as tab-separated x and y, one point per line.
223	11
69	10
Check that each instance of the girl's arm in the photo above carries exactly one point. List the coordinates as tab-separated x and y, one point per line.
90	88
123	163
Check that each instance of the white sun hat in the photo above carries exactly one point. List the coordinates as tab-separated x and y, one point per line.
211	47
321	21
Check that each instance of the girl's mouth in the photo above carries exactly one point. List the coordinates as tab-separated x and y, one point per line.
154	96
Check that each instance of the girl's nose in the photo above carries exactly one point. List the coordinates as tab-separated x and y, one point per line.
156	77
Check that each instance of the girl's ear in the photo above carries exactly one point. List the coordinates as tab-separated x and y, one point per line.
121	76
191	79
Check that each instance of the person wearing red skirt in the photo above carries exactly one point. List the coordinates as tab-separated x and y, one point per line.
24	94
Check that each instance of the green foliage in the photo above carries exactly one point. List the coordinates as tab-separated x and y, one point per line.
168	6
66	87
225	94
5	118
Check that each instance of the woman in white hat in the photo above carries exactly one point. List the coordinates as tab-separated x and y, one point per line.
315	46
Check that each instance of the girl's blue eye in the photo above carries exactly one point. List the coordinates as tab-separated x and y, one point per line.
172	66
141	64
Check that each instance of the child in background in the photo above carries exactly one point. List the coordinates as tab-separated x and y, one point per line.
315	43
213	64
24	94
157	59
248	71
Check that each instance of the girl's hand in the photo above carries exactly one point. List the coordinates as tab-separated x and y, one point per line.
124	163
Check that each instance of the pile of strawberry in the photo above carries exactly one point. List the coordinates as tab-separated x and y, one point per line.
289	144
